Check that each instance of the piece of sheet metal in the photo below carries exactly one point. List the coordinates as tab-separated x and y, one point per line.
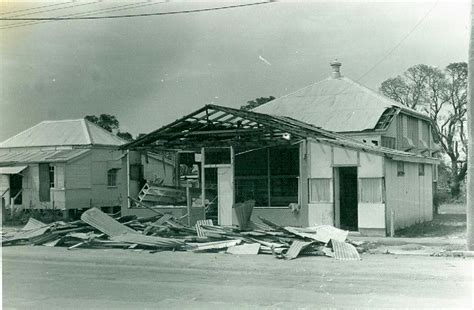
152	241
105	223
344	251
244	249
295	249
215	245
321	233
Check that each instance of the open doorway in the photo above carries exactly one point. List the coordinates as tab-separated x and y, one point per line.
16	186
346	196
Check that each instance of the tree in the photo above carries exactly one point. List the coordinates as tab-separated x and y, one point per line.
125	135
109	123
106	121
256	102
443	95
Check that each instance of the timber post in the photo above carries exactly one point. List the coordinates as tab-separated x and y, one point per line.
470	143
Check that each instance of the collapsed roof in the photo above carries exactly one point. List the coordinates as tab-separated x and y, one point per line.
214	126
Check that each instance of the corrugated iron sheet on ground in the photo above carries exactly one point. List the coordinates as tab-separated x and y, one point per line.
244	249
105	223
295	249
344	251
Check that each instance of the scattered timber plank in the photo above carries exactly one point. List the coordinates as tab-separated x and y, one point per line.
244	249
344	251
216	245
151	241
105	223
163	219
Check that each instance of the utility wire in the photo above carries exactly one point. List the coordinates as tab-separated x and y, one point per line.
35	8
136	15
105	10
51	10
396	46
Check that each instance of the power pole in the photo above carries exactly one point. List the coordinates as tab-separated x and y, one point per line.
470	156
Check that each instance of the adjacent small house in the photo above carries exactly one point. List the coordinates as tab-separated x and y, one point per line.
62	165
70	165
332	153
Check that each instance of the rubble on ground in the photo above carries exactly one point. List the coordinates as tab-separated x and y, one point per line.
163	232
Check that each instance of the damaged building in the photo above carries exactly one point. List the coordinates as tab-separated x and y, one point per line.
333	153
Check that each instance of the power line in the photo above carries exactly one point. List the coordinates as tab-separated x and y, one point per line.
35	8
106	10
51	10
136	15
396	46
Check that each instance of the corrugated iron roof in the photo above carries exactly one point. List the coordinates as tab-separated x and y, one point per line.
63	132
335	104
20	156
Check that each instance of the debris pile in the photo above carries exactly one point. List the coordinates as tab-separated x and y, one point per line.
163	232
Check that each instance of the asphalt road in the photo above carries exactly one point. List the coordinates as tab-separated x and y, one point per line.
55	278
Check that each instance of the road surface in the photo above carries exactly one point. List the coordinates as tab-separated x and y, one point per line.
55	278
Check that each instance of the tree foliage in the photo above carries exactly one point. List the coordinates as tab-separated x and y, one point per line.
106	121
109	123
443	95
256	102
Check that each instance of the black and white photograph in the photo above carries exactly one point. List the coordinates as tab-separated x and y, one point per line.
224	154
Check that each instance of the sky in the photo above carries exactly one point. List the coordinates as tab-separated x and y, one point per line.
149	71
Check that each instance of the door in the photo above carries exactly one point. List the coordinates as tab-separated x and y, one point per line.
225	195
348	200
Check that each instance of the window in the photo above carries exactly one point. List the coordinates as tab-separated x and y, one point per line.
400	169
268	176
371	190
412	133
112	177
421	169
388	142
320	190
51	176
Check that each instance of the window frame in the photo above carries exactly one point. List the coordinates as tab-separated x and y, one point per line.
112	174
52	176
400	169
272	178
421	169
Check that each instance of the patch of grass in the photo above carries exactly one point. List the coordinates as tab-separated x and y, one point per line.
443	225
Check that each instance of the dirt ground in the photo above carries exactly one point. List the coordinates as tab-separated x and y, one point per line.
55	278
449	223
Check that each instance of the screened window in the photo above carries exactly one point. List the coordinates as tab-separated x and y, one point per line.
421	169
112	177
371	190
400	169
320	190
268	176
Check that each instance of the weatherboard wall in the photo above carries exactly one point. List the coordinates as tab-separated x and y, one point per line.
324	159
409	198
